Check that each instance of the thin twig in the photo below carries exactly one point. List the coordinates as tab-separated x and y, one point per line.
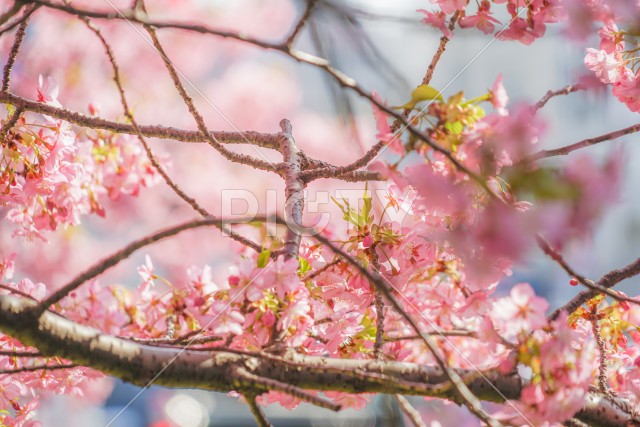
9	124
13	53
256	410
342	79
319	271
36	368
552	93
17	292
258	382
409	410
105	264
139	18
602	350
441	48
602	287
563	151
27	13
446	333
17	353
229	155
606	282
150	155
306	15
17	5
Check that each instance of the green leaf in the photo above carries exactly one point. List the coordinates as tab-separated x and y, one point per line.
10	109
423	93
543	184
455	128
304	266
263	258
366	207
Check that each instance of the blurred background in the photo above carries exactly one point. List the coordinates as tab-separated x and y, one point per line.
386	48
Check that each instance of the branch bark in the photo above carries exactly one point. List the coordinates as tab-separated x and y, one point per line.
141	364
293	191
265	140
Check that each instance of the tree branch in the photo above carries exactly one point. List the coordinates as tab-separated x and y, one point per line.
594	287
265	140
294	190
152	158
607	281
552	93
139	364
409	411
342	79
308	10
13	53
202	127
27	13
124	253
563	151
34	368
256	410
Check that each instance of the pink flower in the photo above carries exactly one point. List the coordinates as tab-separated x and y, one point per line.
521	312
223	319
436	192
200	279
499	97
520	30
384	131
348	400
48	91
627	90
281	275
450	6
7	267
437	20
611	39
344	326
147	274
482	20
606	66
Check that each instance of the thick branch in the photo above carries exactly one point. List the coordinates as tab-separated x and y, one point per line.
140	364
54	335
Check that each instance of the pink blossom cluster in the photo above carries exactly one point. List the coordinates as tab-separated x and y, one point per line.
50	177
560	359
614	64
527	20
19	398
490	231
